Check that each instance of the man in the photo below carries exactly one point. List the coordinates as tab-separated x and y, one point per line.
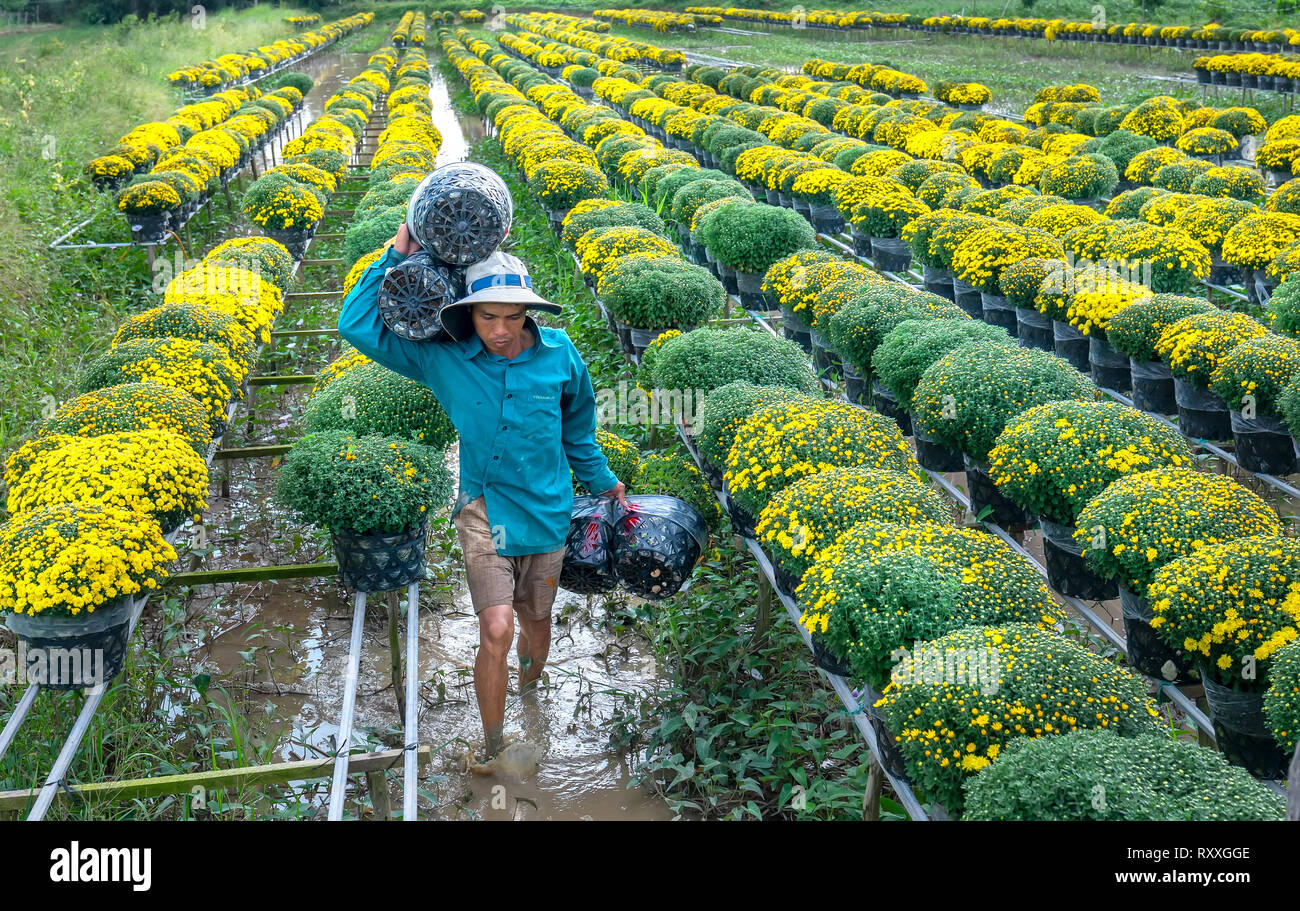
521	400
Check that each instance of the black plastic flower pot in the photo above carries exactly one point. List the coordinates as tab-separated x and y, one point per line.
826	659
997	312
641	339
698	255
824	357
861	244
967	297
1067	571
885	402
658	540
294	240
1242	732
933	455
890	254
1072	345
743	521
803	208
1034	330
382	562
827	220
1153	387
1110	369
588	567
795	329
1201	414
147	229
937	281
712	473
624	336
1263	444
786	581
72	653
774	198
1147	652
890	756
987	502
751	290
857	388
728	276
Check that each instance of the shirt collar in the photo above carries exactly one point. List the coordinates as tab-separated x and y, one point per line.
474	344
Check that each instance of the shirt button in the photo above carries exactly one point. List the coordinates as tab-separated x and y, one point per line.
510	395
494	458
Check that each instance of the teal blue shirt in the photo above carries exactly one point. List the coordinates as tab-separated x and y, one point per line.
523	423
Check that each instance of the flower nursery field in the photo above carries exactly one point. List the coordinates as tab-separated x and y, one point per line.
982	363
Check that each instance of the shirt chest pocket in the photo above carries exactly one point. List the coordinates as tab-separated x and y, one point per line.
538	414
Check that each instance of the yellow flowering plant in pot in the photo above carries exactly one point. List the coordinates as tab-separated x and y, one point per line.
559	185
374	495
133	406
1134	330
980	258
1143	521
68	577
948	732
1233	606
1193	348
804	519
1053	458
153	472
1251	378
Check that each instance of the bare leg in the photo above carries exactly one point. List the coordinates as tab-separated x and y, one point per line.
495	631
534	648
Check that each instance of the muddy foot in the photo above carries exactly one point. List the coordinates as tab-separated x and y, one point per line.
517	760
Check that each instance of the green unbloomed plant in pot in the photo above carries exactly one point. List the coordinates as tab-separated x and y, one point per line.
726	408
908	350
364	485
752	238
967	397
808	516
1053	458
950	731
370	399
861	323
675	476
1099	775
883	586
708	358
1282	701
1135	329
652	292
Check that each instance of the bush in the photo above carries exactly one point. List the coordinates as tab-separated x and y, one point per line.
133	406
1142	521
912	345
650	292
1193	346
974	721
1054	458
370	399
561	184
362	485
1143	777
1282	701
1284	306
372	232
753	238
1119	146
967	397
708	358
580	220
623	456
194	322
1135	329
1256	372
1080	177
861	324
202	369
980	258
1233	182
726	408
781	443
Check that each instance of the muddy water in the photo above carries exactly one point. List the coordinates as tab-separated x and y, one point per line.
280	647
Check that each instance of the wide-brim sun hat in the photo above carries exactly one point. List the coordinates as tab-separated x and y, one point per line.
499	279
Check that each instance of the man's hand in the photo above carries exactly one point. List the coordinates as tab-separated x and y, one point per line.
404	243
617	493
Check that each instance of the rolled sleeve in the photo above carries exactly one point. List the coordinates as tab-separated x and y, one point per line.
578	434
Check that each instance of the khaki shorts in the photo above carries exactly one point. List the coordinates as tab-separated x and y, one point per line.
529	582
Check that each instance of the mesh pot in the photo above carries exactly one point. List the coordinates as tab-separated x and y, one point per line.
460	213
933	455
295	241
1201	413
828	660
887	404
1147	652
1034	329
890	254
624	336
890	756
774	198
984	494
413	293
803	208
938	281
1242	732
698	255
1067	571
824	357
657	542
588	567
827	219
1153	387
147	229
1263	444
383	562
1110	369
856	387
861	243
786	581
728	277
997	312
1072	345
640	339
795	329
967	297
751	290
72	653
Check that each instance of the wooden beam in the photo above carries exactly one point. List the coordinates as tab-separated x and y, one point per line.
254	574
309	295
290	333
247	776
292	379
322	262
251	452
